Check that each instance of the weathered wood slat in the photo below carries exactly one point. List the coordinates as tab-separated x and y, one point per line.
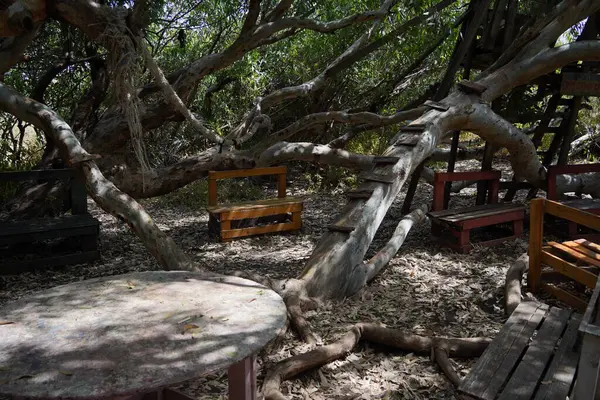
557	380
590	245
471	87
568	298
583	250
521	385
227	234
255	205
370	176
360	194
483	210
413	128
436	105
406	139
241	173
340	228
566	268
385	160
491	370
575	254
261	212
583	204
43	229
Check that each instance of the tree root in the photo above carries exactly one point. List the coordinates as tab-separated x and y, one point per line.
440	348
512	286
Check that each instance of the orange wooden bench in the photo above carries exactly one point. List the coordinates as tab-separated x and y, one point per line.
460	221
229	221
589	205
574	260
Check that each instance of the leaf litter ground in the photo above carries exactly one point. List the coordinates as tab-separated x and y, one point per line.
425	290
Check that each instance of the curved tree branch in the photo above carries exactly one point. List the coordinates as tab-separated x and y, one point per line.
102	190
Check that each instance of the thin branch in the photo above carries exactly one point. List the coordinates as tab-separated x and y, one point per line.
251	16
369	119
284	151
279	10
172	96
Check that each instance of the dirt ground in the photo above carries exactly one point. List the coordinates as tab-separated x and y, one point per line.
425	289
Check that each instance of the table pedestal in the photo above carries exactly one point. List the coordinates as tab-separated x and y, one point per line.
242	385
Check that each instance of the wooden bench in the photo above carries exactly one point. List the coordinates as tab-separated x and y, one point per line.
227	221
459	222
574	260
534	356
79	224
573	230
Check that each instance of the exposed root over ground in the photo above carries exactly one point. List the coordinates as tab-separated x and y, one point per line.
440	348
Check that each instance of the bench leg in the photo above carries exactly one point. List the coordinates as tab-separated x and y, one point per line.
297	220
518	227
464	242
225	226
572	229
89	242
242	380
436	229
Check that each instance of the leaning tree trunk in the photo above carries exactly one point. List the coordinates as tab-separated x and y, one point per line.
336	267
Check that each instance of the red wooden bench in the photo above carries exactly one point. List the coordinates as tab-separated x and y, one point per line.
589	205
454	226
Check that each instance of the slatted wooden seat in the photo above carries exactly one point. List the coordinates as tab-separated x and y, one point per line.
534	356
574	260
79	224
572	230
460	221
226	221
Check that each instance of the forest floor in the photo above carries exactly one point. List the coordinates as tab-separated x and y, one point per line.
425	289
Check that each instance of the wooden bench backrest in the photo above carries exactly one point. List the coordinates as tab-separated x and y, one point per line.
555	170
440	179
537	209
77	192
213	176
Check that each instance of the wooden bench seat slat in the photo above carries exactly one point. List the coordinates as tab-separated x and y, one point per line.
360	194
39	225
261	212
257	230
385	160
575	254
583	204
458	215
370	176
583	250
590	245
254	205
242	173
43	229
557	380
491	370
340	228
522	383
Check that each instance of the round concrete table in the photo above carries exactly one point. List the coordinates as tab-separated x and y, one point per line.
126	335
